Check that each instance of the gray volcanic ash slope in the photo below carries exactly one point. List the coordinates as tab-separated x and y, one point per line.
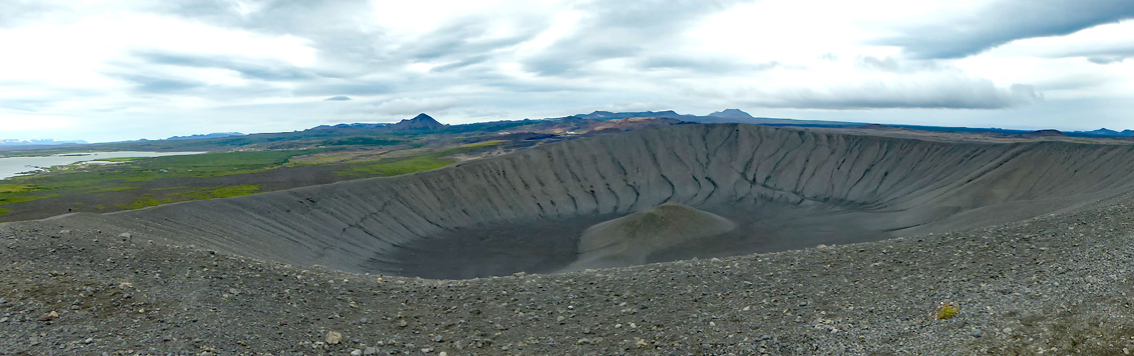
784	189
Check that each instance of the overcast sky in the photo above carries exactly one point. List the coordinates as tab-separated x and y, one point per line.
119	69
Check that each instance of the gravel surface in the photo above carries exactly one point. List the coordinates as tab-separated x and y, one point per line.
1049	285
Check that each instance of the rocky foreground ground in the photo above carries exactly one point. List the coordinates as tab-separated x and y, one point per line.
1051	285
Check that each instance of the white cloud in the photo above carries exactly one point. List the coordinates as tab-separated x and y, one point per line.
1060	65
789	31
1114	38
236	65
16	123
74	54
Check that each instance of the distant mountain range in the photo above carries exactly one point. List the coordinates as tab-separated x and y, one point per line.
419	122
205	136
39	142
724	116
349	126
1103	132
423	122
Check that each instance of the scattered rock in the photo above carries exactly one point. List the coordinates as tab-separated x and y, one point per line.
334	338
356	352
125	236
49	316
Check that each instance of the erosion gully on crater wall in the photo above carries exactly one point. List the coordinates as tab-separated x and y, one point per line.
780	188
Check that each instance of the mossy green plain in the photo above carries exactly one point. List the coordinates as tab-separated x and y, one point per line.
241	165
135	183
131	173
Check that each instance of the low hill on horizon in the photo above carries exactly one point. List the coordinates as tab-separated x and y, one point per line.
419	122
205	136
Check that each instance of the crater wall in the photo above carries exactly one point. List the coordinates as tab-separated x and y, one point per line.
784	189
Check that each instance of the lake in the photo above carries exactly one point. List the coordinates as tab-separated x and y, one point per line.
13	166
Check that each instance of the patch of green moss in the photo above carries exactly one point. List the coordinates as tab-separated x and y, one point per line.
120	159
388	168
472	147
947	310
16	188
16	198
149	200
222	192
144	202
235	191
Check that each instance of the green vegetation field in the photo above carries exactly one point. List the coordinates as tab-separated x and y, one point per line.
135	183
77	184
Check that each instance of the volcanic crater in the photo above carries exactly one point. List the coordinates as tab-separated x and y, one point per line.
698	191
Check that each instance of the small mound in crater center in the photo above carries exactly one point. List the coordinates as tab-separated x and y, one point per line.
628	240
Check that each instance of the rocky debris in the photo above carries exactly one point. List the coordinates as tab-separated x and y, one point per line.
334	338
1051	282
49	316
125	236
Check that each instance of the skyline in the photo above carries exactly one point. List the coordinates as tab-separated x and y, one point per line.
119	70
